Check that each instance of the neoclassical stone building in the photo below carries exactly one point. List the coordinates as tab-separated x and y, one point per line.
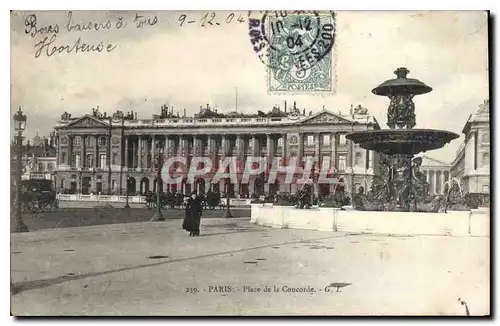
471	166
437	173
96	152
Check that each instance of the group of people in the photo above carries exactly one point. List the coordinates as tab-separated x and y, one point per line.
210	200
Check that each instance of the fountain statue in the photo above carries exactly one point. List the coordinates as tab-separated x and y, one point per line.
401	186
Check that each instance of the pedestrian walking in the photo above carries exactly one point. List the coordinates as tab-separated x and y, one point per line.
192	217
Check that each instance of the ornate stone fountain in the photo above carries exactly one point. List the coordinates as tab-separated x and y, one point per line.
401	186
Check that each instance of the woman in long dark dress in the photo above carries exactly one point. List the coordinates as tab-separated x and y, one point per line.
193	212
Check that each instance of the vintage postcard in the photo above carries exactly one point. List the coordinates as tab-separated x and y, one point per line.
250	163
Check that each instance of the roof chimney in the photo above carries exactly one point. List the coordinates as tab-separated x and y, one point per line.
184	113
285	106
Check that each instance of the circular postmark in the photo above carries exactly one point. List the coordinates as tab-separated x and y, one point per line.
292	41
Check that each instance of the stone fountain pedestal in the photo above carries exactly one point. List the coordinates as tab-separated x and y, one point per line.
451	223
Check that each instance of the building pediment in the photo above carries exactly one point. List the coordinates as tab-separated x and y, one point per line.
428	161
324	117
86	122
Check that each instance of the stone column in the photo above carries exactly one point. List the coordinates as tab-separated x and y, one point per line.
333	147
134	153
139	152
268	147
166	150
300	154
284	147
435	182
125	159
153	152
238	146
209	145
108	152
96	151
224	145
317	146
254	145
180	151
269	157
70	150
194	152
83	154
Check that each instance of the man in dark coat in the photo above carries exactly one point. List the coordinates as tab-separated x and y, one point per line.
193	212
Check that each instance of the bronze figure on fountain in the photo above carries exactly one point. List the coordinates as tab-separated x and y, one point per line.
401	186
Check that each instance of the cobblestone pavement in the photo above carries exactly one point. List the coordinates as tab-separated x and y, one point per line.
155	268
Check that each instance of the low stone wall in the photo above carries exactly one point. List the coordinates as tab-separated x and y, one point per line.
452	223
101	198
134	199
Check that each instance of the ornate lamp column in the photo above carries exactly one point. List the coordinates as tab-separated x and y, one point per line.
158	215
19	126
228	213
126	190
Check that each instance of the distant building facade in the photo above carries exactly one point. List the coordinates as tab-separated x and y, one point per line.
38	161
436	172
471	166
95	153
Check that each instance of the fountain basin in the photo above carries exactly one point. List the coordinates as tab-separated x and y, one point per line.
402	141
452	223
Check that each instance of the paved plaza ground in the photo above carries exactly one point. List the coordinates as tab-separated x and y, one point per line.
74	214
112	270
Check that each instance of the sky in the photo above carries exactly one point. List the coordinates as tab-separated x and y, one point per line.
192	65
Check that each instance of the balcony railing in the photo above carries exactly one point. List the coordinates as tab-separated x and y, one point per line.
209	121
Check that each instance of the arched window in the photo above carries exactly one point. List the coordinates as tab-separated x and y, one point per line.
50	167
41	167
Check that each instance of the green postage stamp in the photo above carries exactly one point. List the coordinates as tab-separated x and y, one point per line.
298	49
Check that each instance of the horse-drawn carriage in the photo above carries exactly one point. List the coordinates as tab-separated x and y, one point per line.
38	196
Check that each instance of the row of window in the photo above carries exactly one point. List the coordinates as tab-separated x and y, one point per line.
342	160
325	140
89	141
89	160
41	167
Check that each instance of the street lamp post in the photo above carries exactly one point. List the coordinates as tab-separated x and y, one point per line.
228	210
126	191
19	126
158	215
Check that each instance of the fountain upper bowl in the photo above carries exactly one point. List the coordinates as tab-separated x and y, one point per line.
402	141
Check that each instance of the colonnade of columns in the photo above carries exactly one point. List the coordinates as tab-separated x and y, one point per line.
436	179
141	149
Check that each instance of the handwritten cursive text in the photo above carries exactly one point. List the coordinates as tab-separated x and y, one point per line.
48	47
86	26
33	30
